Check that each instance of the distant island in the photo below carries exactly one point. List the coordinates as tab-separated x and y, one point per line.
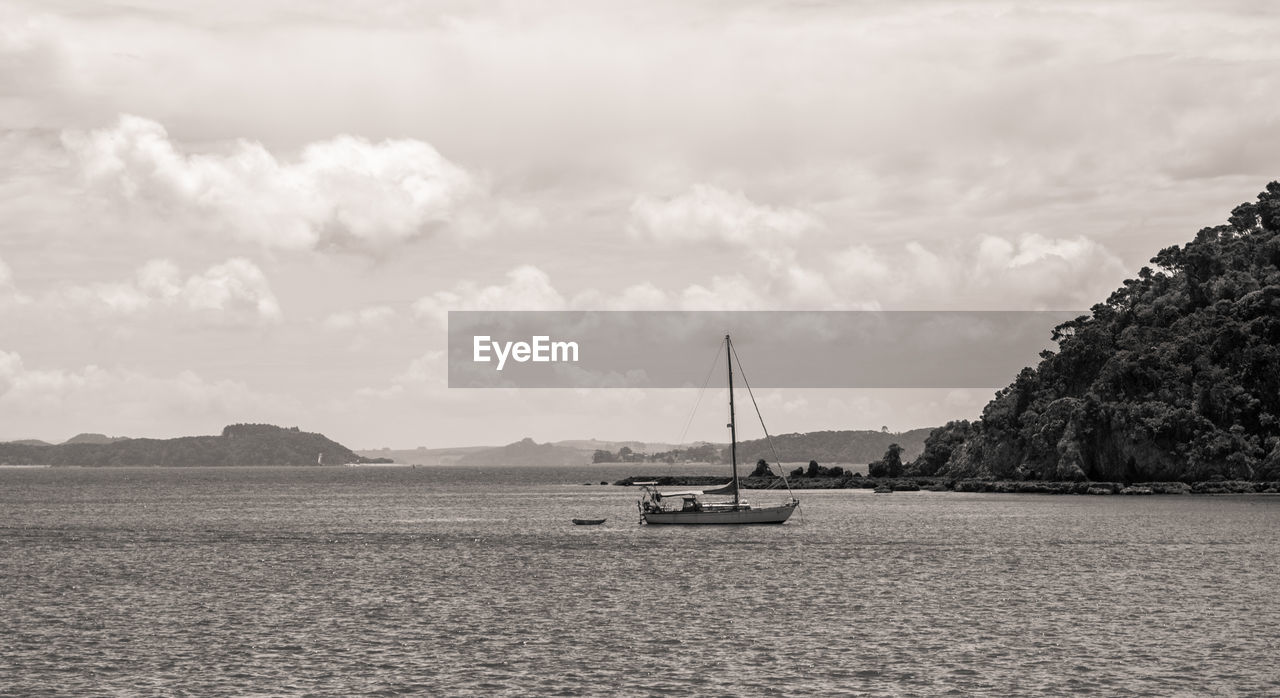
847	446
524	452
238	444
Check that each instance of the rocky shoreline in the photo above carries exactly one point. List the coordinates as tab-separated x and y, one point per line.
937	484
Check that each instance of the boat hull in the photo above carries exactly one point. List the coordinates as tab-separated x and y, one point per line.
763	515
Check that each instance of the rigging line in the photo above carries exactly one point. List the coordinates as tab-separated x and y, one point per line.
702	391
759	416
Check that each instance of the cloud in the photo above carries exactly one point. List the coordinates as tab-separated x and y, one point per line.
121	401
709	214
34	61
1030	271
427	373
233	291
10	370
641	296
372	317
527	288
344	192
530	288
9	294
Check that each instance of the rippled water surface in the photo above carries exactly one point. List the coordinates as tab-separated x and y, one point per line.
470	581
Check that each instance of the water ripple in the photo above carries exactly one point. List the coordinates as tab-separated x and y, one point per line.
332	581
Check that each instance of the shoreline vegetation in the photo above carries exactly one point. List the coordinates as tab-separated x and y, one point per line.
942	484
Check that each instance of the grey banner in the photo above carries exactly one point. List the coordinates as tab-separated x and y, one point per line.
778	349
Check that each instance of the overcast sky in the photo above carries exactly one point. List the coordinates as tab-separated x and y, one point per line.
259	211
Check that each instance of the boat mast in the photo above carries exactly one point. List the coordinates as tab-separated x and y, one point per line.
733	429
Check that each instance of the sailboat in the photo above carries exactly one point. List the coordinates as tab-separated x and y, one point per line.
689	507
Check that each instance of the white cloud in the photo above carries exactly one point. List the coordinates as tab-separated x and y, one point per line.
235	290
707	213
733	292
9	294
344	192
10	370
372	317
122	401
427	373
527	288
1030	271
1027	272
641	296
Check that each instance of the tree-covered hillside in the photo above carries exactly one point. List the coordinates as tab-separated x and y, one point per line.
830	446
239	444
1176	376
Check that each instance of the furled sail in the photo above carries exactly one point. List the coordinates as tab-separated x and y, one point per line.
726	488
729	487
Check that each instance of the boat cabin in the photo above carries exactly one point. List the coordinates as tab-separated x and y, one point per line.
654	501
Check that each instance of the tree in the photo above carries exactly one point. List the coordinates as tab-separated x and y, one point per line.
893	459
815	470
601	456
762	469
888	466
939	446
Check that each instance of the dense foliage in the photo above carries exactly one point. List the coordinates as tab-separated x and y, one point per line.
704	453
813	471
239	444
889	465
939	445
1176	376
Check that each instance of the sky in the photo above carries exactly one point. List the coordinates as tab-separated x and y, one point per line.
220	212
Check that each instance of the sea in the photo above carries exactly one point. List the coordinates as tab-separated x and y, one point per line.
469	581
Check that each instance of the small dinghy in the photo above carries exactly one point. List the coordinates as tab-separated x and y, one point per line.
587	522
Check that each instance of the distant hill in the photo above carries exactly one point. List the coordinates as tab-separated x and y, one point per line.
527	452
593	445
423	456
822	446
582	450
832	446
90	438
239	444
29	442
